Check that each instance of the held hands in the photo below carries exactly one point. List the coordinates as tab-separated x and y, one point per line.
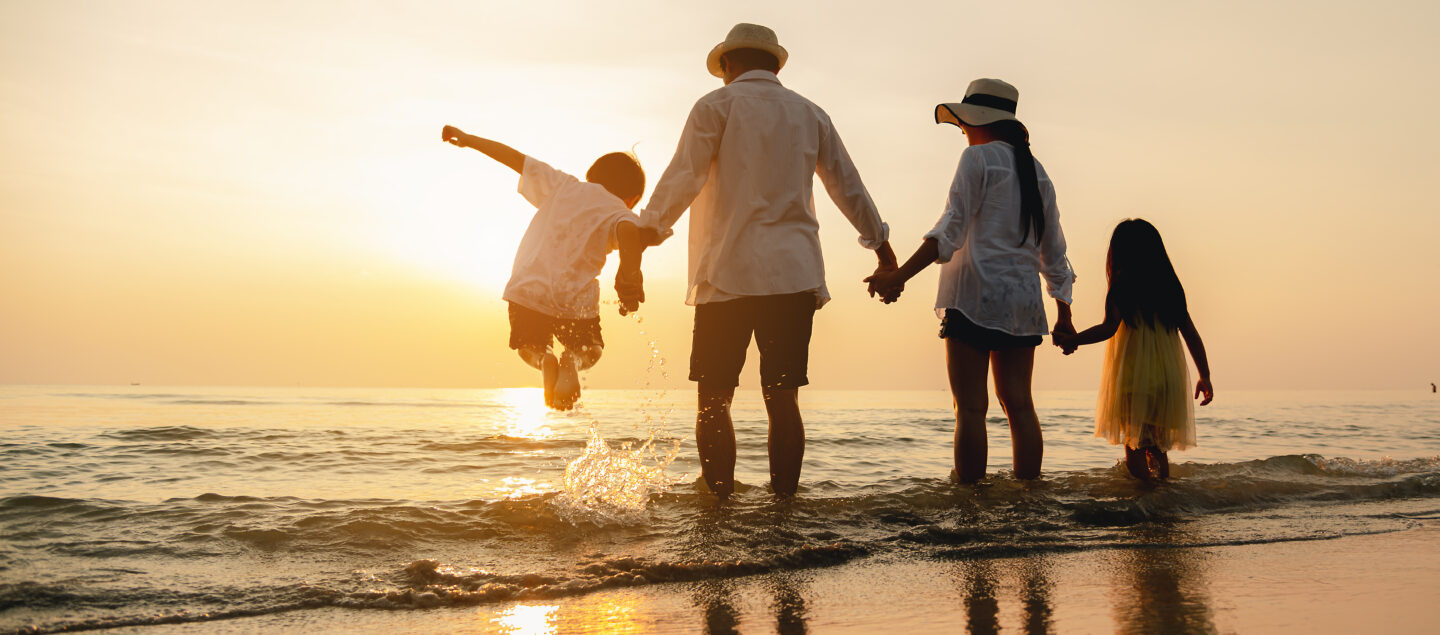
630	287
886	282
1203	387
1064	336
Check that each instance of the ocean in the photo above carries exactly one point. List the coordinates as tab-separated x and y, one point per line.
142	505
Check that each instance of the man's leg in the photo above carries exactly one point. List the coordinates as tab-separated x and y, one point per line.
787	439
715	437
783	325
717	353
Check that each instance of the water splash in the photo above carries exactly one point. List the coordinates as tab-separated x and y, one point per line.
606	484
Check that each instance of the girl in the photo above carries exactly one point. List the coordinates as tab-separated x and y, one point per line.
999	235
1144	401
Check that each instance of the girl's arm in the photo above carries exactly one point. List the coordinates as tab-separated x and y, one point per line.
1098	333
506	155
890	284
1202	364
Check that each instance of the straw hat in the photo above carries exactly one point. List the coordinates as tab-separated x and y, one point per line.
986	101
745	36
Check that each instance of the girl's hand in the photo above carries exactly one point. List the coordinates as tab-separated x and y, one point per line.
1203	387
1064	340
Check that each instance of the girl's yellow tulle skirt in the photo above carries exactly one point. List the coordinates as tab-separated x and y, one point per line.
1145	390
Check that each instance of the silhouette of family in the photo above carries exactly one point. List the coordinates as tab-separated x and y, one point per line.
744	168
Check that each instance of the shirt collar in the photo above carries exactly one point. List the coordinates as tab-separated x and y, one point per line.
757	75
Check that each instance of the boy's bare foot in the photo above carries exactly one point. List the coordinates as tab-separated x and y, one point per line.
567	384
550	368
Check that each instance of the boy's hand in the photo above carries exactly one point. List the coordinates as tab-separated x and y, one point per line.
630	287
453	136
1203	387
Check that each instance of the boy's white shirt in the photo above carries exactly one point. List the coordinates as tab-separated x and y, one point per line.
564	248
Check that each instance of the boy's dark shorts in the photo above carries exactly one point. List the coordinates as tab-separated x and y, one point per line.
531	329
958	327
781	325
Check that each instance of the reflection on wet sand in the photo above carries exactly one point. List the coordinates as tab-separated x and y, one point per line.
716	600
1161	590
980	583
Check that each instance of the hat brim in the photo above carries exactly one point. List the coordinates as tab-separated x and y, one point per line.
970	114
712	61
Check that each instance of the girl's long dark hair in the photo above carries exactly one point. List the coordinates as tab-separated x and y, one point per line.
1143	284
1032	209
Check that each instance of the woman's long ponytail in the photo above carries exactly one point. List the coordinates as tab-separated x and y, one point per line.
1032	209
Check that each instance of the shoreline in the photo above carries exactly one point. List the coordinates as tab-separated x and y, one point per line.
1383	582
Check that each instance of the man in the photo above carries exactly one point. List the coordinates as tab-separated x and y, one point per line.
744	168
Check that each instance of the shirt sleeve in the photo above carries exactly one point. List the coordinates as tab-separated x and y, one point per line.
688	169
842	182
1054	263
967	191
622	215
539	181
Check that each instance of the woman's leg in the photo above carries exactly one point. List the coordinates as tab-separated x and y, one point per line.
1013	368
967	367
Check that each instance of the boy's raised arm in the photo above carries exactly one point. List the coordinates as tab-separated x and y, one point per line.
506	155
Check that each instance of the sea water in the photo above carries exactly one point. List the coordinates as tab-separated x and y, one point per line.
136	505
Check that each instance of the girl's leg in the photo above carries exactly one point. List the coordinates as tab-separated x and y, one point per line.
1162	463
967	367
1013	368
1135	461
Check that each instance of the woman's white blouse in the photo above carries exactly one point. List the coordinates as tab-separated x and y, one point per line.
986	273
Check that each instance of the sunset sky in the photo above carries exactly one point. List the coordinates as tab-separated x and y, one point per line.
256	193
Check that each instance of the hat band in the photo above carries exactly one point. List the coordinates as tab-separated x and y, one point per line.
990	101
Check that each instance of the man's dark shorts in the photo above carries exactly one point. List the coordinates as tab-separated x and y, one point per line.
530	329
958	327
781	325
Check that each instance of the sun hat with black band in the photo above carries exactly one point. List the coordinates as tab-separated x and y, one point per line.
745	36
986	101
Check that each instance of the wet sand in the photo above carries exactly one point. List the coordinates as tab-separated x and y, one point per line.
1374	583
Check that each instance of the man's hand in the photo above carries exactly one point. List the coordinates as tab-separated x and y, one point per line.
1203	387
630	287
453	136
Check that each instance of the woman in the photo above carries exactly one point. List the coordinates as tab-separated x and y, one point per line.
999	230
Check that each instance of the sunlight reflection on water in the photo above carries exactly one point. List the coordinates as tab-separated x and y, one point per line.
525	413
527	619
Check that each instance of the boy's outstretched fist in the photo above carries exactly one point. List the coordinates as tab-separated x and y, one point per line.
452	135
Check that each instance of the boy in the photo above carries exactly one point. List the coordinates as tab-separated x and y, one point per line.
553	291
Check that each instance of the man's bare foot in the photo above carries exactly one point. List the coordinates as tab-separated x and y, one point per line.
550	368
567	384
